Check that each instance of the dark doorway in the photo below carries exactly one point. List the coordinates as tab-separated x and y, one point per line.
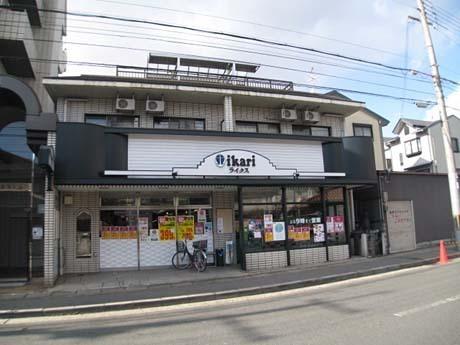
13	243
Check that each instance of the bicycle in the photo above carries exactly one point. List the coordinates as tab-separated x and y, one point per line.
183	259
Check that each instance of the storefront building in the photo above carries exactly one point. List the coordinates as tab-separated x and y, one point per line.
147	158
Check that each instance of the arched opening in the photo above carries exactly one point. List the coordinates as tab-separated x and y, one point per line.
83	232
21	193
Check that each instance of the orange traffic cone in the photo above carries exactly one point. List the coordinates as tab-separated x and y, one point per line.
443	259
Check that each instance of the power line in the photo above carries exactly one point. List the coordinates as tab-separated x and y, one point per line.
252	23
267	54
243	37
240	50
106	65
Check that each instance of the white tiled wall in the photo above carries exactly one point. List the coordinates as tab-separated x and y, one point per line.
212	113
337	253
266	260
307	256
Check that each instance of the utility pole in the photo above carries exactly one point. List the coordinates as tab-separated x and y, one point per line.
451	171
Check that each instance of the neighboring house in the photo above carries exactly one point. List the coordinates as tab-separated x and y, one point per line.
225	158
418	146
29	50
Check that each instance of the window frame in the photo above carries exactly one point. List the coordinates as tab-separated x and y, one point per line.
169	118
455	147
136	119
363	125
413	153
257	125
309	128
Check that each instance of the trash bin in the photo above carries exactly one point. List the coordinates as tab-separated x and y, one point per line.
220	258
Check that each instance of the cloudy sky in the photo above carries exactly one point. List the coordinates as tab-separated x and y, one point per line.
376	30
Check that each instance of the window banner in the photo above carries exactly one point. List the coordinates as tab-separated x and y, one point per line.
279	233
268	227
167	228
185	228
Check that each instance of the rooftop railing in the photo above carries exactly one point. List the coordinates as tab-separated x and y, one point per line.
203	77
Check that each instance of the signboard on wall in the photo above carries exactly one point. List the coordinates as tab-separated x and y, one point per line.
235	163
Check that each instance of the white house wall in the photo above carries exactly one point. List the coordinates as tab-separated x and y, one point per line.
438	146
409	162
74	110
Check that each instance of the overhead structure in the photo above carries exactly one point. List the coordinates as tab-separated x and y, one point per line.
170	62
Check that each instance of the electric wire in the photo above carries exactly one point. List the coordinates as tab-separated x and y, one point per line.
251	23
262	53
221	33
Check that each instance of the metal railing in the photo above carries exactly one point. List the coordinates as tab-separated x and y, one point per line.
202	77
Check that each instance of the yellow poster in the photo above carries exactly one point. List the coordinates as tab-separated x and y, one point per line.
185	228
167	228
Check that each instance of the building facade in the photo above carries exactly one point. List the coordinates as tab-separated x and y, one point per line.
31	46
154	156
418	146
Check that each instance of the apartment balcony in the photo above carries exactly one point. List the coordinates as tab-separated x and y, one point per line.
202	71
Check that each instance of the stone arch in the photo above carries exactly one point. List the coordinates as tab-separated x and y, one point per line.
28	97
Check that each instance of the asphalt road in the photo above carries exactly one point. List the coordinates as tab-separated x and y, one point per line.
417	306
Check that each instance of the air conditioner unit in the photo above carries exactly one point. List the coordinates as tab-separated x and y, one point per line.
288	114
154	106
312	116
125	104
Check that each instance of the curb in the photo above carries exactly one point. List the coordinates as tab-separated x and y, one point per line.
204	297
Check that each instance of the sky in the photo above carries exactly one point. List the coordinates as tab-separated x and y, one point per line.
375	30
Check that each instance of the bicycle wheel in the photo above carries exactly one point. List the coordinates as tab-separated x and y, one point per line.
181	260
200	260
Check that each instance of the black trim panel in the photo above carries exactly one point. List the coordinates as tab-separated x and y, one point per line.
219	134
216	181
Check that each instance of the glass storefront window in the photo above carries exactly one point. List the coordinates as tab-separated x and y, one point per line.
259	225
195	199
334	195
162	201
305	227
118	225
303	194
335	224
261	195
109	200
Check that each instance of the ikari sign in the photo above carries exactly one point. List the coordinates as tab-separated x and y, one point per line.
235	163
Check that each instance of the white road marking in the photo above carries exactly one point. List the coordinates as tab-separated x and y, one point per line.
428	306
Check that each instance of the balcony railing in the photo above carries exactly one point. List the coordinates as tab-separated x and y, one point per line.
203	77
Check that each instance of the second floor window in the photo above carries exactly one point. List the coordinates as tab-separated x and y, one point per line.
413	147
455	147
362	130
121	121
311	130
178	123
256	127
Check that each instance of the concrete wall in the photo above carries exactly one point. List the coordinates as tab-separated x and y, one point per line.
430	196
16	26
435	133
361	117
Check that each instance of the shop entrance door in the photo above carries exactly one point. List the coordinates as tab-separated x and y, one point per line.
13	243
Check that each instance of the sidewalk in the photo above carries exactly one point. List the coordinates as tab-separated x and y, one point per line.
134	289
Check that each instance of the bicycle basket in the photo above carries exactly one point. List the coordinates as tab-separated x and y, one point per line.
180	246
200	244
